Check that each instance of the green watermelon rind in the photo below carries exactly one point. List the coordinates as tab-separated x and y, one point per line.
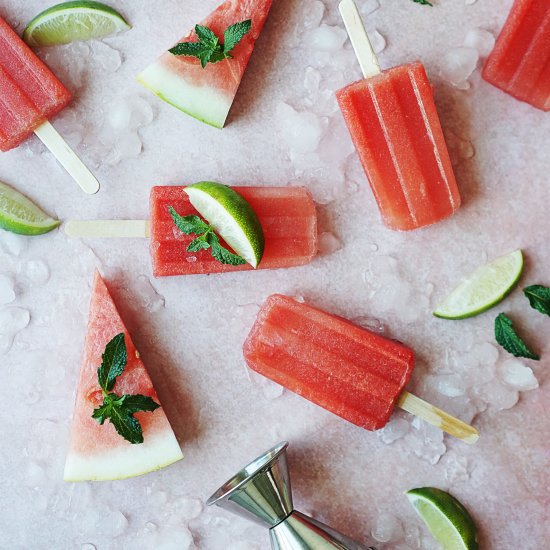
110	467
179	93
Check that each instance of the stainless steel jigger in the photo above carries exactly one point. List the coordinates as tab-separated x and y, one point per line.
261	492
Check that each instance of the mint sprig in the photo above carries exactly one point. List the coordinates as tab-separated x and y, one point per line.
209	49
120	409
206	239
539	298
509	339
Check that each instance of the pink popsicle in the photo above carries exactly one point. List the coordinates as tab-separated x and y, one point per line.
288	219
30	94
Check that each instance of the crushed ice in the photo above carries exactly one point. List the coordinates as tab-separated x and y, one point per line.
458	65
150	299
12	321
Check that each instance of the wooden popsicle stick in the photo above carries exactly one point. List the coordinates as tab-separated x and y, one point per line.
108	229
67	158
438	418
359	38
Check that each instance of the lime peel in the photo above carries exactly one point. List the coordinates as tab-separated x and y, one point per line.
19	214
483	289
72	21
231	217
446	518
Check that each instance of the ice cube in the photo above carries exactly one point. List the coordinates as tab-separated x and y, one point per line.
329	243
457	469
369	6
480	39
105	56
498	395
377	40
7	292
387	528
451	385
518	376
301	131
458	65
127	146
174	538
325	38
426	441
36	271
119	115
313	16
12	321
395	429
12	243
142	113
149	297
34	475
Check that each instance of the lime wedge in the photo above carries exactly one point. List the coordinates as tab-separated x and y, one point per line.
448	521
483	289
20	215
231	217
72	21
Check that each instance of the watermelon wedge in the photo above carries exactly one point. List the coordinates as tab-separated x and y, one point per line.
98	453
207	94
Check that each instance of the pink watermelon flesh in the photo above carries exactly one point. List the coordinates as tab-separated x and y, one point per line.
99	452
207	94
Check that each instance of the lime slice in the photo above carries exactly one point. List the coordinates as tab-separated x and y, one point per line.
448	521
72	21
483	289
20	215
231	217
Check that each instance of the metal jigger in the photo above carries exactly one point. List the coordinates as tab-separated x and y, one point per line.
261	493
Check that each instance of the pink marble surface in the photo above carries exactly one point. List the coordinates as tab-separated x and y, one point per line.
284	128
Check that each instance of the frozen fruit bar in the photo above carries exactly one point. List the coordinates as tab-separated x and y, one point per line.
346	369
396	130
30	94
520	62
288	219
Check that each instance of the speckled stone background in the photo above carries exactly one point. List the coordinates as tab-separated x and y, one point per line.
285	128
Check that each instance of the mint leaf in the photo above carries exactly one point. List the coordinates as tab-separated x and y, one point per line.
191	49
206	239
539	298
113	362
423	2
234	34
221	254
206	36
208	49
119	410
508	338
188	224
102	413
199	243
126	424
138	403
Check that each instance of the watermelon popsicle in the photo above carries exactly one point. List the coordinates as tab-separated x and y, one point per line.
520	62
287	215
30	94
394	124
346	369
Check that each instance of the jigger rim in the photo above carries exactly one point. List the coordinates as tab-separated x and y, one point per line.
232	485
